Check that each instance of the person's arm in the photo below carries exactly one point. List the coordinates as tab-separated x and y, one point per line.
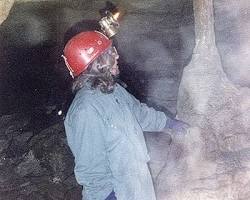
178	126
84	135
153	120
148	118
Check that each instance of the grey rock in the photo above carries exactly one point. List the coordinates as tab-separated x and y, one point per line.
233	39
5	7
29	166
51	149
13	123
4	143
74	194
215	107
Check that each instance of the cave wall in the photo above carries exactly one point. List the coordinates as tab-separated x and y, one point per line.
5	7
233	40
35	161
156	41
215	101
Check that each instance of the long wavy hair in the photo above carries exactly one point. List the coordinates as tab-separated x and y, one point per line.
97	75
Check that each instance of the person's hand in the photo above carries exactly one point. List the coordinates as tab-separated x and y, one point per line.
178	126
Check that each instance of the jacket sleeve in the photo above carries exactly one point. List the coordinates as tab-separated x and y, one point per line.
84	135
148	118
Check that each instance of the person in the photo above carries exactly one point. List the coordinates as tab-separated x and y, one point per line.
104	124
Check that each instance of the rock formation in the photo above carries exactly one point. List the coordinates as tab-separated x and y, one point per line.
5	7
217	149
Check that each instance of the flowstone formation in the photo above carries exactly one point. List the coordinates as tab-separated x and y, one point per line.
216	152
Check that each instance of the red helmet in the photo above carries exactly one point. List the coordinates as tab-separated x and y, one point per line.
82	49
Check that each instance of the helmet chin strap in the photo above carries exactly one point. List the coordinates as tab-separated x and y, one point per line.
68	66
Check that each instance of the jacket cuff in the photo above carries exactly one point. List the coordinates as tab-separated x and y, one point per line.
169	123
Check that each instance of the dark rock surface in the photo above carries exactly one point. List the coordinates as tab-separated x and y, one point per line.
35	165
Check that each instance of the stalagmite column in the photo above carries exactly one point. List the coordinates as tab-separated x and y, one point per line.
217	149
204	71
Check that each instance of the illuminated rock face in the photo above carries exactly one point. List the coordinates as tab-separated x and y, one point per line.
5	7
233	39
216	159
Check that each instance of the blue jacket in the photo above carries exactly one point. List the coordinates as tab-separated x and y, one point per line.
105	135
